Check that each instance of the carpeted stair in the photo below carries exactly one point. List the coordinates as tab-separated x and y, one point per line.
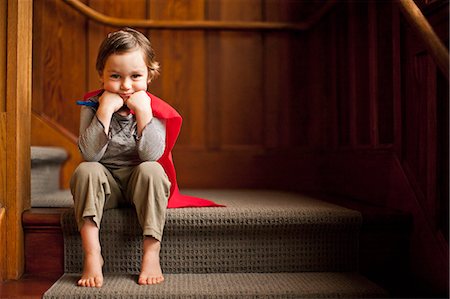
263	244
45	175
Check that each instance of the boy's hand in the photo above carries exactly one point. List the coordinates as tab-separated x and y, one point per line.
110	101
140	102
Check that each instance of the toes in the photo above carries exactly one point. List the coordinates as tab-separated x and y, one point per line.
98	282
150	280
141	280
90	282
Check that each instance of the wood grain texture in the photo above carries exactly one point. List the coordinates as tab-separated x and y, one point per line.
182	58
3	10
240	90
18	108
3	243
59	67
43	226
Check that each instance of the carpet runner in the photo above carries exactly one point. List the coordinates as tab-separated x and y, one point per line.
263	244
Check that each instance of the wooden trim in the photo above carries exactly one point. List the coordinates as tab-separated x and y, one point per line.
45	132
198	25
3	17
18	107
373	74
426	33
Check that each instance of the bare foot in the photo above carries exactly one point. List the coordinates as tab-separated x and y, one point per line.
93	261
151	272
92	271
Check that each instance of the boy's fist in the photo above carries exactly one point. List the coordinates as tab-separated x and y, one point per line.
110	101
139	102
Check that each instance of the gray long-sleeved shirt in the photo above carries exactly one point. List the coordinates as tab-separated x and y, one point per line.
121	147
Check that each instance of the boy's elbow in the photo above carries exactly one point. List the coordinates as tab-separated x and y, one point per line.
151	155
89	157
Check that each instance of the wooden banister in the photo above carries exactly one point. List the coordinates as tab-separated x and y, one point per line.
198	25
423	28
410	10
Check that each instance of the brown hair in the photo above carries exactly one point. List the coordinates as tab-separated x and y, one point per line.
125	40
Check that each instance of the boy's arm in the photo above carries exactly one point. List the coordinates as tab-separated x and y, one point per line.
92	141
152	143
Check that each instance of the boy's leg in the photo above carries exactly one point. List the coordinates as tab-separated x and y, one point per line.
92	265
149	189
93	189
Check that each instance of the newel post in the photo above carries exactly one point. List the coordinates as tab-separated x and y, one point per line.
15	117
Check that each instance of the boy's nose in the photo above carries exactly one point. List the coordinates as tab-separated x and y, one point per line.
126	84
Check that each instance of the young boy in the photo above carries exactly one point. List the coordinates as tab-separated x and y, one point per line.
126	137
121	149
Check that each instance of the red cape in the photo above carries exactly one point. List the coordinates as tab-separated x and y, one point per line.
164	111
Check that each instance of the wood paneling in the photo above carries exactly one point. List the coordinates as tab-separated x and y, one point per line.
236	91
59	64
349	106
183	65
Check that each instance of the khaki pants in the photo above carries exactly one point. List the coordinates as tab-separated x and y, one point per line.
146	186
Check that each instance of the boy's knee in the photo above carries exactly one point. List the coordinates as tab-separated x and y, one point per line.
151	169
154	172
87	169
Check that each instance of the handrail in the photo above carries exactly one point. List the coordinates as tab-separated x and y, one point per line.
198	25
410	10
423	28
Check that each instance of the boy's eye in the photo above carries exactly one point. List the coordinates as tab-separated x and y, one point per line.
136	76
115	76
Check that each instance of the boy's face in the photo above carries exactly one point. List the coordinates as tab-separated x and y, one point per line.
125	73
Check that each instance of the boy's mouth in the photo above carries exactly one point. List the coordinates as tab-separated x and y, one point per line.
125	96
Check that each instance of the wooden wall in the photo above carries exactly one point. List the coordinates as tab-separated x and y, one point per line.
235	90
355	106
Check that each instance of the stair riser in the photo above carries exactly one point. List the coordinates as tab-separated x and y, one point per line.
293	248
45	178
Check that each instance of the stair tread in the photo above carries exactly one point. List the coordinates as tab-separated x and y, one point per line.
56	199
47	154
226	285
243	209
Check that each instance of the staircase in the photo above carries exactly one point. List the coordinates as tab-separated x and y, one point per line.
263	244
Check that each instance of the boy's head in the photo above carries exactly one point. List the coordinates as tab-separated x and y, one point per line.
127	40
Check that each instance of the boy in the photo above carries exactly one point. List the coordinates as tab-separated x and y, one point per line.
126	137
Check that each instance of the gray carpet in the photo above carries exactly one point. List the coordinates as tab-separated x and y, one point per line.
45	175
55	199
257	231
263	244
242	285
